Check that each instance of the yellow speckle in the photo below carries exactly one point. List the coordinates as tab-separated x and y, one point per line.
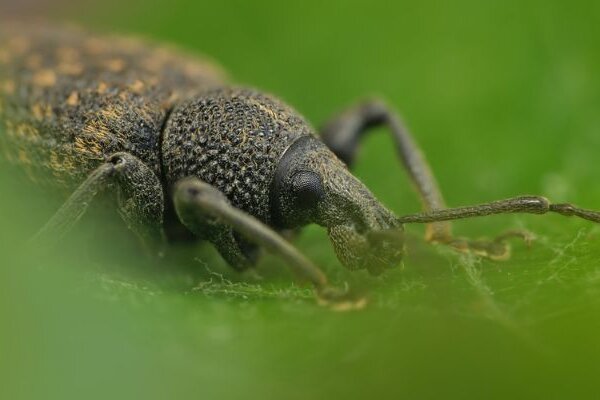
4	56
37	111
70	68
44	78
41	110
26	131
111	113
203	68
60	164
102	87
271	114
67	54
10	128
96	46
8	87
55	163
73	99
172	99
163	54
81	146
95	132
34	61
193	69
152	63
47	110
137	86
23	157
18	44
146	113
67	164
115	65
128	43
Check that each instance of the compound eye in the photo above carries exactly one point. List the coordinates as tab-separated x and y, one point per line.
307	189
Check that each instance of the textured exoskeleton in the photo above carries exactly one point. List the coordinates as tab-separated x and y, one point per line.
183	146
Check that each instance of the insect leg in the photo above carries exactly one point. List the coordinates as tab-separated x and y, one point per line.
202	207
342	134
140	200
522	204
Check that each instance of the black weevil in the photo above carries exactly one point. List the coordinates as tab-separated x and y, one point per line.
233	165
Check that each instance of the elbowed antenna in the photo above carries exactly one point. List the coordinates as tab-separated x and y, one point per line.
521	204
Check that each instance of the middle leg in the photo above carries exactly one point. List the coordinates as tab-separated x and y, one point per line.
342	135
140	201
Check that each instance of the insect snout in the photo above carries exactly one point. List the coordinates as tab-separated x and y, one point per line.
374	244
386	248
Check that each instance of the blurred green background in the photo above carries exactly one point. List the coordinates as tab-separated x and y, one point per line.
504	97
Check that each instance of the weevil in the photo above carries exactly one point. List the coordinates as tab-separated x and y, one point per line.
185	149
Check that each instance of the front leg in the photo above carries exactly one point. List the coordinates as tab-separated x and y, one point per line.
206	211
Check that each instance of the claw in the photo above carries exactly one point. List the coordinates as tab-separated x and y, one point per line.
340	299
526	236
496	249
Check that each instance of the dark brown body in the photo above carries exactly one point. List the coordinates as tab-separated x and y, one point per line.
68	99
183	147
